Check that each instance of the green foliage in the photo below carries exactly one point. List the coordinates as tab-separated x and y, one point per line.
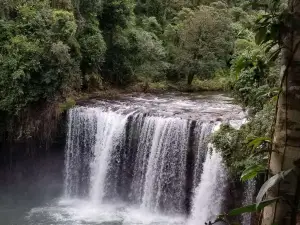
256	78
68	104
234	144
92	51
251	208
135	52
36	60
256	142
242	210
116	14
251	172
149	53
255	86
197	51
88	7
50	49
151	24
64	24
163	11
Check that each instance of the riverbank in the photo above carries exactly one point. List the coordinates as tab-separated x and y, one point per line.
218	84
198	85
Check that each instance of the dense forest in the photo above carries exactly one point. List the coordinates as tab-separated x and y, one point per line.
52	51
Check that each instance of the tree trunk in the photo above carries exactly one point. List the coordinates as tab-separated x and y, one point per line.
286	139
190	79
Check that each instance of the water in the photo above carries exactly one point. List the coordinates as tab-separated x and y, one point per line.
110	132
164	186
79	212
209	195
249	197
140	160
202	133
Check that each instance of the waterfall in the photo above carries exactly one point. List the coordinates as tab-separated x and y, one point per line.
209	195
249	194
140	166
92	137
110	132
202	131
80	140
165	174
143	159
152	162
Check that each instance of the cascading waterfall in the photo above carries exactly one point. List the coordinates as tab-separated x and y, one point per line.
110	132
143	159
165	176
155	162
159	162
145	143
80	141
249	194
209	195
202	131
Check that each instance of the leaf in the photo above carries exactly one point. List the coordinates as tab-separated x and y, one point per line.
265	203
271	183
251	172
275	29
255	143
263	152
269	46
274	99
251	208
274	55
261	35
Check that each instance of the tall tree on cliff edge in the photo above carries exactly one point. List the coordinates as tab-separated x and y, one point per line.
286	139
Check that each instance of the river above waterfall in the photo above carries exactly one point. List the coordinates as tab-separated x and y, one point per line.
205	106
140	159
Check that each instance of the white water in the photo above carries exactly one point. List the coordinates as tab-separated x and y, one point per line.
249	194
203	131
209	195
165	176
132	165
81	212
81	137
145	143
110	131
159	166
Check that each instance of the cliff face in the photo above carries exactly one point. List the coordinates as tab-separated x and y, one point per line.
15	150
31	173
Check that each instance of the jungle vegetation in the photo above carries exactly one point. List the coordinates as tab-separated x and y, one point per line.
269	142
53	50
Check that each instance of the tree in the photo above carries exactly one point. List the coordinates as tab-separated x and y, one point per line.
92	51
163	11
287	128
201	51
37	62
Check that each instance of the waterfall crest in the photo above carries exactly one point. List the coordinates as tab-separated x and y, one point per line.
158	163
